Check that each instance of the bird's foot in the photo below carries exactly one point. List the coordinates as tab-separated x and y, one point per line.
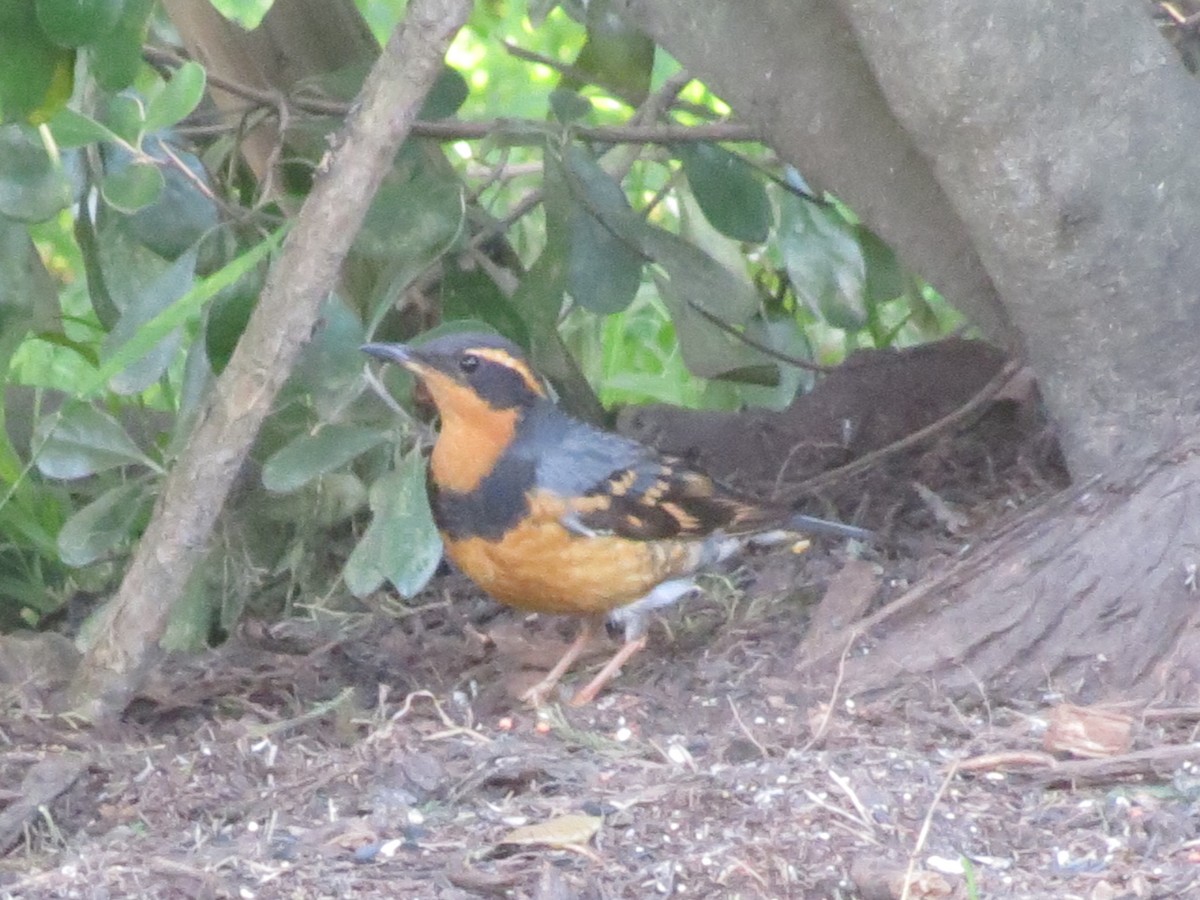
536	695
588	692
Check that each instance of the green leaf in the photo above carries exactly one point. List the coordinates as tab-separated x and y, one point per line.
604	268
125	114
727	295
115	59
80	440
36	77
537	10
227	318
695	287
824	261
312	455
538	300
330	366
28	294
119	266
28	303
145	338
469	293
448	93
433	210
401	545
568	106
107	523
85	351
33	187
24	522
785	334
697	290
708	350
132	187
730	195
695	228
338	497
885	275
71	129
539	296
182	214
73	23
178	98
160	294
247	13
616	55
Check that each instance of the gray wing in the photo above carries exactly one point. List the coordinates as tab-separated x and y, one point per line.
617	486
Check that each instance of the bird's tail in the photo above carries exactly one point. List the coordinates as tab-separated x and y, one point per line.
813	525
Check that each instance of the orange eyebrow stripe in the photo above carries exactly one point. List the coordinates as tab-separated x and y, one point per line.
506	359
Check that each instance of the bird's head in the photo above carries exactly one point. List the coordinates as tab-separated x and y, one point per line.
481	384
463	370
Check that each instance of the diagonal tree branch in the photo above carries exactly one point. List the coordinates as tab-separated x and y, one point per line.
127	638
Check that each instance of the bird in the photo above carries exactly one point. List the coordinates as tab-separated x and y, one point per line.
551	514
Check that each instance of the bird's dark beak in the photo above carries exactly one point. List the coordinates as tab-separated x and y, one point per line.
394	353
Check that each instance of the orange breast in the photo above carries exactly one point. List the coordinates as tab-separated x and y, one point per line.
543	567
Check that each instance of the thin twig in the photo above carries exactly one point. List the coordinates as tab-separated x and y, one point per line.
746	731
946	422
647	115
796	361
576	74
837	686
844	783
511	130
568	71
453	729
923	835
814	797
529	131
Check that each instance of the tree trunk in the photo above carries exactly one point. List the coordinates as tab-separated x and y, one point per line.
1062	134
132	624
1035	158
1093	598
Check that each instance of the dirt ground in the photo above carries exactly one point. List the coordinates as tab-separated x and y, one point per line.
381	752
383	757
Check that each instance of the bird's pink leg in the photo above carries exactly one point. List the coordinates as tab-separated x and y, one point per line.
587	694
538	693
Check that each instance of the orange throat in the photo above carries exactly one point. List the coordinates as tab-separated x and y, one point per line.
469	446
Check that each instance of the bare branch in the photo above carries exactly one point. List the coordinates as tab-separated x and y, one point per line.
514	131
128	634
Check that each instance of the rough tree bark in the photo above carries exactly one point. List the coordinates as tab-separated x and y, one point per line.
1043	151
128	634
1061	134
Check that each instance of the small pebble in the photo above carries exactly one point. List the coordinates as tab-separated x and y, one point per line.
945	865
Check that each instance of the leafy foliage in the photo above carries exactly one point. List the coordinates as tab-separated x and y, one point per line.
134	240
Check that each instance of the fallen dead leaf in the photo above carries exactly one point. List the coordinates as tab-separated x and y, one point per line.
1088	731
562	831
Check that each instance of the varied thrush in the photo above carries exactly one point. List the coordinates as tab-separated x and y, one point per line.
550	514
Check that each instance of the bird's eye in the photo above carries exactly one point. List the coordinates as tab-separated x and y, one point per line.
469	363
